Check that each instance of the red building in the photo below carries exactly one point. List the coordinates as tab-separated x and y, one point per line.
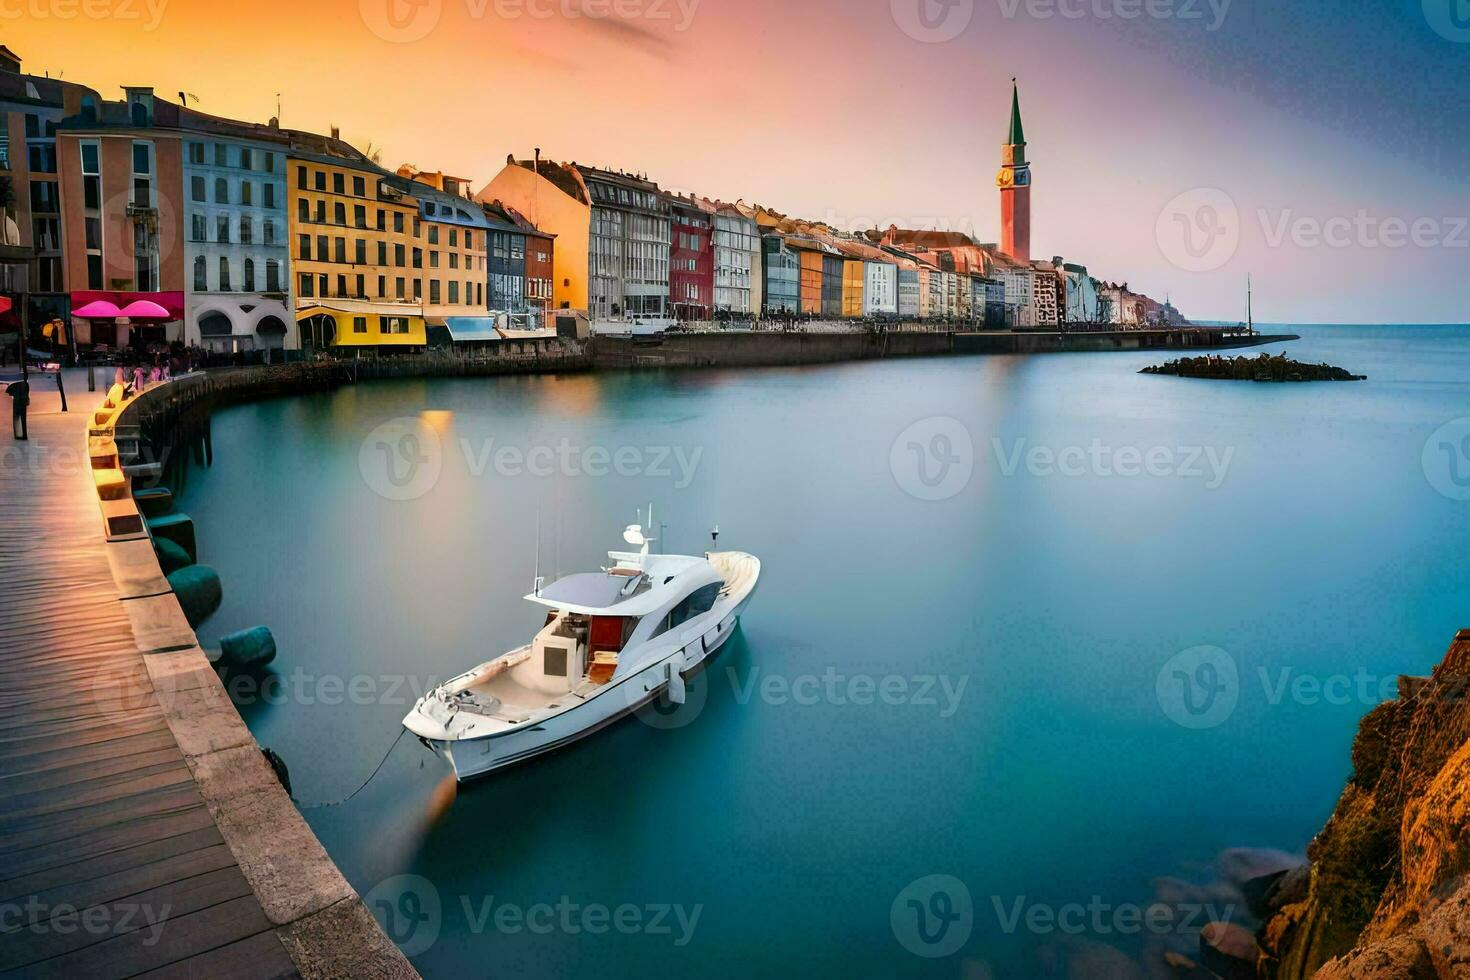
1014	181
691	259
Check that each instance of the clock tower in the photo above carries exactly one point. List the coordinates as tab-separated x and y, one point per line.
1014	181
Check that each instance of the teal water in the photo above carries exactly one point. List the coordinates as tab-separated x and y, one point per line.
790	803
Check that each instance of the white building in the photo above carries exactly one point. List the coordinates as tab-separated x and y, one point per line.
880	288
738	275
236	250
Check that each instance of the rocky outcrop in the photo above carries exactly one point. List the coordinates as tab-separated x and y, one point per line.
1388	892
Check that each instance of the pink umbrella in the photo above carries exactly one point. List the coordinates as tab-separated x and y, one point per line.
98	310
145	309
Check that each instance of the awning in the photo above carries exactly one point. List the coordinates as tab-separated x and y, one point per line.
162	306
466	329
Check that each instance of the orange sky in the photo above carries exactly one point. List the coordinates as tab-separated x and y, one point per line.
822	108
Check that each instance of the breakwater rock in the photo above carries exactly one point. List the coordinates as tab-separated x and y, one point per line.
1264	367
1388	894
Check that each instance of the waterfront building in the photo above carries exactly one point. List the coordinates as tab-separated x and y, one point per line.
781	268
458	246
1082	299
833	279
994	309
738	252
1047	293
853	287
539	267
121	179
508	257
1014	181
236	251
32	106
691	259
911	290
554	198
357	249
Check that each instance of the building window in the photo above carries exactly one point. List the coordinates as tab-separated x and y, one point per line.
196	188
321	212
418	258
359	324
224	274
221	191
303	246
453	293
359	216
272	276
382	253
301	178
359	187
268	195
247	158
269	227
248	279
247	191
306	284
247	230
361	251
321	248
222	229
338	181
303	210
340	250
398	256
339	213
321	180
196	228
398	222
321	282
434	291
201	280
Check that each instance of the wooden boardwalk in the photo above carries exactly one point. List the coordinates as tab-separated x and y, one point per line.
111	862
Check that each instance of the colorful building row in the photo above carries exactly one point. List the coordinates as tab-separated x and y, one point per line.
170	225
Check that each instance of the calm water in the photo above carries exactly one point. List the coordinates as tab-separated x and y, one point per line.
787	804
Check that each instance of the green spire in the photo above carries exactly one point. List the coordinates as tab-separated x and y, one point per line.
1018	135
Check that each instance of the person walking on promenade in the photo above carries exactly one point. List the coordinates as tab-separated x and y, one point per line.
20	401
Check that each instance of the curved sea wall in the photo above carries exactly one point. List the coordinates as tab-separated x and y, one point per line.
317	916
1389	886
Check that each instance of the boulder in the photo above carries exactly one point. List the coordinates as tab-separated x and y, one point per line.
248	649
171	557
199	592
1228	951
1401	958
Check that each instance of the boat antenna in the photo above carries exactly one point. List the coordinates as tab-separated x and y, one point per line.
536	582
714	535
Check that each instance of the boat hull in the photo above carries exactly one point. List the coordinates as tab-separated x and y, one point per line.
475	757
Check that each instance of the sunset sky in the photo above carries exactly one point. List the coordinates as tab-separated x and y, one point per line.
864	112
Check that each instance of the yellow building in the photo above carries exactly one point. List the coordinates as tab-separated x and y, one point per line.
356	253
554	198
852	287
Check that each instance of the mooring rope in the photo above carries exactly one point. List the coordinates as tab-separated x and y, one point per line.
348	799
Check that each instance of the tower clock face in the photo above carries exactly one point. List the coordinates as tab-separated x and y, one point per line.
1023	178
1005	178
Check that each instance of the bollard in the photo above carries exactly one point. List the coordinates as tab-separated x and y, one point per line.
199	592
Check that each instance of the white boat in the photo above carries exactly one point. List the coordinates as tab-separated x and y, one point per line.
614	640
